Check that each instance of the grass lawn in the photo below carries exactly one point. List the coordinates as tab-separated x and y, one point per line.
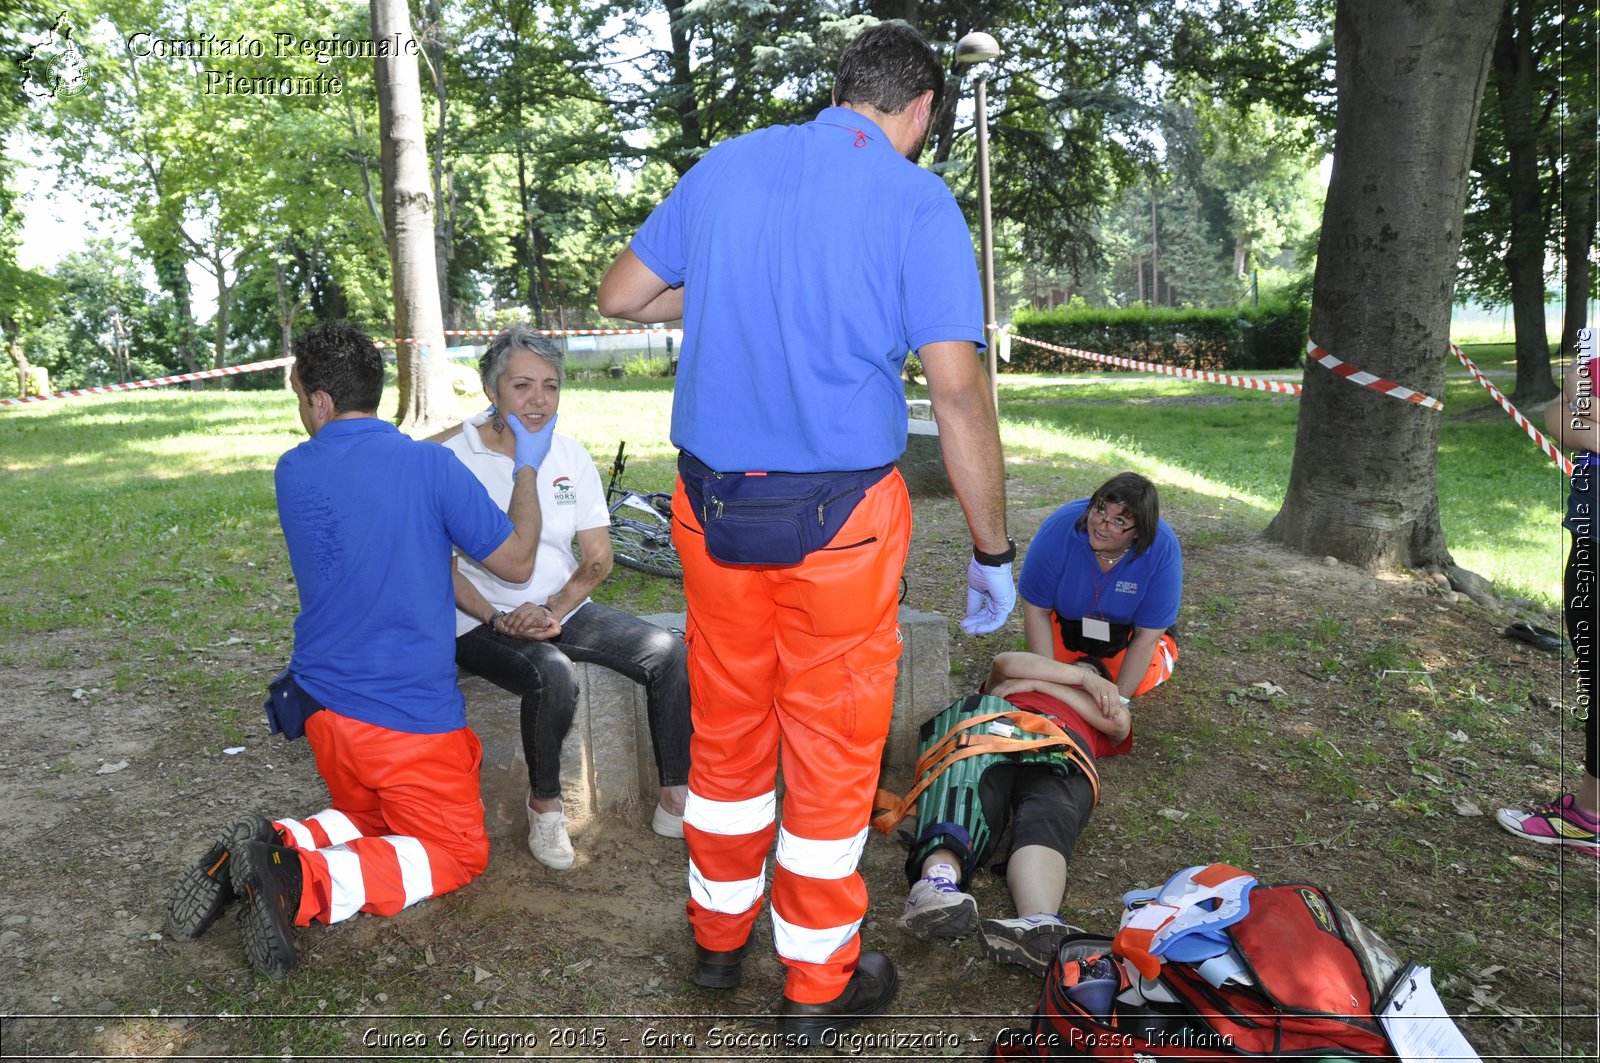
158	505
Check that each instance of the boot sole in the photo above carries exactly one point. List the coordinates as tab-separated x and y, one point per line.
268	941
205	888
1034	949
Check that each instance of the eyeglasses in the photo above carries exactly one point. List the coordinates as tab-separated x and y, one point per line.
1122	524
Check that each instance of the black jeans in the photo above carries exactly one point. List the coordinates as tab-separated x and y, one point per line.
1579	584
542	674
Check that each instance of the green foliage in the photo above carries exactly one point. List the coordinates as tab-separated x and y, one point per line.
1271	337
645	366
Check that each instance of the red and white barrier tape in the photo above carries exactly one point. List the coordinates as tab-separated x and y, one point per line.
1367	380
1281	387
1551	450
135	385
544	332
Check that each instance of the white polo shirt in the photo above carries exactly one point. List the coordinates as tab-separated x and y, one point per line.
571	499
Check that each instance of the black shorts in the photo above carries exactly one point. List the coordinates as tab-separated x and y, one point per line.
1043	808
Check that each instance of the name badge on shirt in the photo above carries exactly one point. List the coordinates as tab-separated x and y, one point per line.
1097	629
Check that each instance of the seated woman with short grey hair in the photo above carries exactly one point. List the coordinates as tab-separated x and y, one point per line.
526	637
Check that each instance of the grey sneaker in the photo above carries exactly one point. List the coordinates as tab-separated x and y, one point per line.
936	908
1030	942
548	840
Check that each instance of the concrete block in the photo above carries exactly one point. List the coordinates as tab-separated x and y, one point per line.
607	760
922	464
921	689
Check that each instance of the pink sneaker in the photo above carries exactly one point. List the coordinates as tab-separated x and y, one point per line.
1561	822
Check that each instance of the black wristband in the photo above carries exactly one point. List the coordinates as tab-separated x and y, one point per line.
996	560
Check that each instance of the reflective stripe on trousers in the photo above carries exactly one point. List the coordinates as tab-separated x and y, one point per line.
797	662
406	821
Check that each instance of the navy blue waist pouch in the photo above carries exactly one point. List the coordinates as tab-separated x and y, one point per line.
771	518
289	706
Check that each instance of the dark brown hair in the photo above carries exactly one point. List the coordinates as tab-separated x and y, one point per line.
1138	496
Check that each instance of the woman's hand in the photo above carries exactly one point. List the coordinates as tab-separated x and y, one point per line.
530	621
1102	690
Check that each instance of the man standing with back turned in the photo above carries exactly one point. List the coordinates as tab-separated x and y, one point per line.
805	261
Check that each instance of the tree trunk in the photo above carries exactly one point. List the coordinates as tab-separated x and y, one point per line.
1514	75
224	305
19	358
1410	77
287	312
1577	242
443	199
426	401
171	270
683	97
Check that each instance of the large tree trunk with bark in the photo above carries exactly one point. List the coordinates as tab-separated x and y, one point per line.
426	400
12	332
1515	74
1410	76
444	214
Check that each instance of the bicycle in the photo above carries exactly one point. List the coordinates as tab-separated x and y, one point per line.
641	525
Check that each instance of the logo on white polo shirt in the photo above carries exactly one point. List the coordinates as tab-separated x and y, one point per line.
566	493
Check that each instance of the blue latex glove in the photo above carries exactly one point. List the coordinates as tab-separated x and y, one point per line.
991	595
531	446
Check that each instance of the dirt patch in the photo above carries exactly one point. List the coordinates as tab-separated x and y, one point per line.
1324	725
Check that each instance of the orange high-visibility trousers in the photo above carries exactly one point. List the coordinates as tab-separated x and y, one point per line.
405	820
1162	658
803	657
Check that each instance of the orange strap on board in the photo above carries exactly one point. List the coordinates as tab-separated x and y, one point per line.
962	741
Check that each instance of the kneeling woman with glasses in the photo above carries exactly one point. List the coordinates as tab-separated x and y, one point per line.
1101	584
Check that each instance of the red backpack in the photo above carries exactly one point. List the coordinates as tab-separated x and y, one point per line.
1315	980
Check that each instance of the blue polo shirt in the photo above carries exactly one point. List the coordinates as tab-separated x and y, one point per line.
369	516
812	258
1060	573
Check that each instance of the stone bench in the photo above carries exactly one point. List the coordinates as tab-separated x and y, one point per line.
607	763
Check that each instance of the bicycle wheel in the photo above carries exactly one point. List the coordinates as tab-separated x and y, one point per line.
645	547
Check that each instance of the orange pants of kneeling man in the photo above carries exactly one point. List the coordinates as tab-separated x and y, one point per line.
404	822
802	656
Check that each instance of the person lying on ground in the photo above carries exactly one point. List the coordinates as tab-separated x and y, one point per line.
1047	796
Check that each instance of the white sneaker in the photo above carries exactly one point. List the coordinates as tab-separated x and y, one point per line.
936	908
1031	941
548	841
666	824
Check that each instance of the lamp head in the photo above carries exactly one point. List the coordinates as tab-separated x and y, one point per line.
977	47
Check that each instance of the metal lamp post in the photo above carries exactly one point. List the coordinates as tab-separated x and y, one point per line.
980	48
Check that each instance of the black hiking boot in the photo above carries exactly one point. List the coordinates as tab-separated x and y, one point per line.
268	880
